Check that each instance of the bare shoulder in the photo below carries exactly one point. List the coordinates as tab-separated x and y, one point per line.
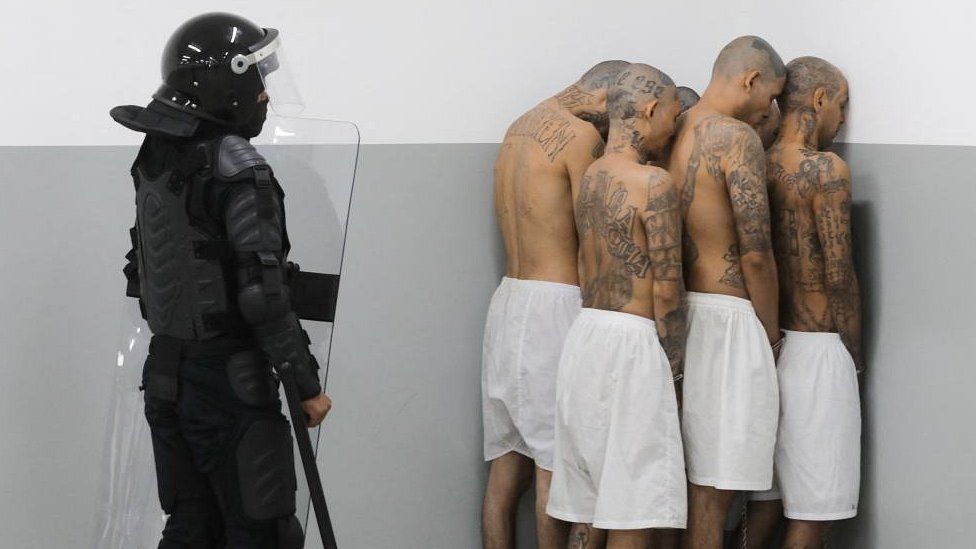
833	172
726	125
552	129
659	188
529	117
723	136
587	140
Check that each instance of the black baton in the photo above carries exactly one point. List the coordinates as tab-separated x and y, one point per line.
299	422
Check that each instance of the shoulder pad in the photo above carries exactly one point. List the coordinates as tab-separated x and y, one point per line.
236	154
156	119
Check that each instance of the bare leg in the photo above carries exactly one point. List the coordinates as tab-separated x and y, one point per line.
707	508
628	539
551	533
666	538
805	534
508	478
584	536
762	523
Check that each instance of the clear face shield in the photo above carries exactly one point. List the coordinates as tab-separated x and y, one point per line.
315	162
279	82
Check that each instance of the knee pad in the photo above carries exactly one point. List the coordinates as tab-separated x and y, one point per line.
266	470
250	378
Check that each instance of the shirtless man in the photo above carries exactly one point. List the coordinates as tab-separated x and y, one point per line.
731	400
619	464
818	444
544	153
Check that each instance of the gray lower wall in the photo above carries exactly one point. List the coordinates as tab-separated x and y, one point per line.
401	454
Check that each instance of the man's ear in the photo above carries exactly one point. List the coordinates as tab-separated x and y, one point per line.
819	99
750	79
648	110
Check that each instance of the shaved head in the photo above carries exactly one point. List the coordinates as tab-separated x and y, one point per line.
635	87
601	75
805	75
748	53
688	97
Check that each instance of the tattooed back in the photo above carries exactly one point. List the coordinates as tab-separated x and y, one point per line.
629	230
711	156
796	177
545	151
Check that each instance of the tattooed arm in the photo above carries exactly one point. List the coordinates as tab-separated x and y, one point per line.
832	211
662	227
745	176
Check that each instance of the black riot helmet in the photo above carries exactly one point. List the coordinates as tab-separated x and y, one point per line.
215	65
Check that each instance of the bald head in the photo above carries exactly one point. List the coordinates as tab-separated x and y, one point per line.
600	76
804	76
638	85
746	54
688	97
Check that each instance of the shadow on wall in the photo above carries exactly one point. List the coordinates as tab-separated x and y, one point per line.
864	224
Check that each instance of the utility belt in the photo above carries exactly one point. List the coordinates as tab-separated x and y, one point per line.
161	377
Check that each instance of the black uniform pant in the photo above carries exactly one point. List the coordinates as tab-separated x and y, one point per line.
223	450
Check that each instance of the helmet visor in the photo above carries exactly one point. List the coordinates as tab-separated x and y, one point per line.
278	80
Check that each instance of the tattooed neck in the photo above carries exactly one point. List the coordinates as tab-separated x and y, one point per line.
625	140
715	100
800	126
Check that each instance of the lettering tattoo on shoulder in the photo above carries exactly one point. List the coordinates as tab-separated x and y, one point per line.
574	96
546	127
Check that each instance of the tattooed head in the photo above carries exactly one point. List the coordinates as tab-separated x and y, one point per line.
749	74
815	97
601	75
688	97
587	97
643	105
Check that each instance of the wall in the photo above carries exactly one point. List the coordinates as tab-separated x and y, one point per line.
459	71
401	456
912	216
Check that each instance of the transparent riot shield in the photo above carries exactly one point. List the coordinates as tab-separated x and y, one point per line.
315	162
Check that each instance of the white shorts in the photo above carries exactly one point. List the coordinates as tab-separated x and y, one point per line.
731	399
524	334
619	463
818	451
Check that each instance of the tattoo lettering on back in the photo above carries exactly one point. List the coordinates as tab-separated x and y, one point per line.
546	127
603	213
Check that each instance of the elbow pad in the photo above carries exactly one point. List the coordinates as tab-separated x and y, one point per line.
254	218
258	305
283	340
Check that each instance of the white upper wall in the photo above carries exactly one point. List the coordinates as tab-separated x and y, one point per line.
459	71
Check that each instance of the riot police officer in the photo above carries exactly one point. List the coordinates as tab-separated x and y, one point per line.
209	266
